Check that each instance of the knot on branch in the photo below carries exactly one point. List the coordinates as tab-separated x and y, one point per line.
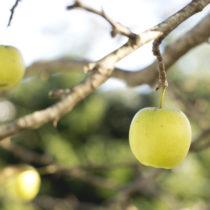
103	68
60	93
199	6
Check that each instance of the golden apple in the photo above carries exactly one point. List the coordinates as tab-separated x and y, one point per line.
160	137
20	182
12	67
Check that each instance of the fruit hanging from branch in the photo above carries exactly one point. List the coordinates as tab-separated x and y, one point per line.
160	137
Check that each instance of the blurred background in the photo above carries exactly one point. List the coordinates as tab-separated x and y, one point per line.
85	162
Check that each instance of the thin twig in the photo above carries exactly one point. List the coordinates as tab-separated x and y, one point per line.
116	27
12	12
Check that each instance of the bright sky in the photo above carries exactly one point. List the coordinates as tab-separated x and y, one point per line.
45	29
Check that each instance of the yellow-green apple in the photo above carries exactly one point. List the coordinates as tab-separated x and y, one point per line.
12	67
160	137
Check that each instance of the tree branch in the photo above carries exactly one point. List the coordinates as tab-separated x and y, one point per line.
173	51
101	71
24	154
29	156
79	173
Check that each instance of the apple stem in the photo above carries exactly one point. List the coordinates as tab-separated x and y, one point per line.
162	96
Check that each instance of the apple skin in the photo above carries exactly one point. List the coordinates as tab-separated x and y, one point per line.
12	67
20	183
160	137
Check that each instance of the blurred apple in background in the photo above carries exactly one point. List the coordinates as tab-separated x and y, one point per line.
19	183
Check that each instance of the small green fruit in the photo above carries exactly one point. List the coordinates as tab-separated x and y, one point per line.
27	184
11	67
160	137
20	183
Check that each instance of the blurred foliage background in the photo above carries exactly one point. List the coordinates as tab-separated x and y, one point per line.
90	146
85	161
